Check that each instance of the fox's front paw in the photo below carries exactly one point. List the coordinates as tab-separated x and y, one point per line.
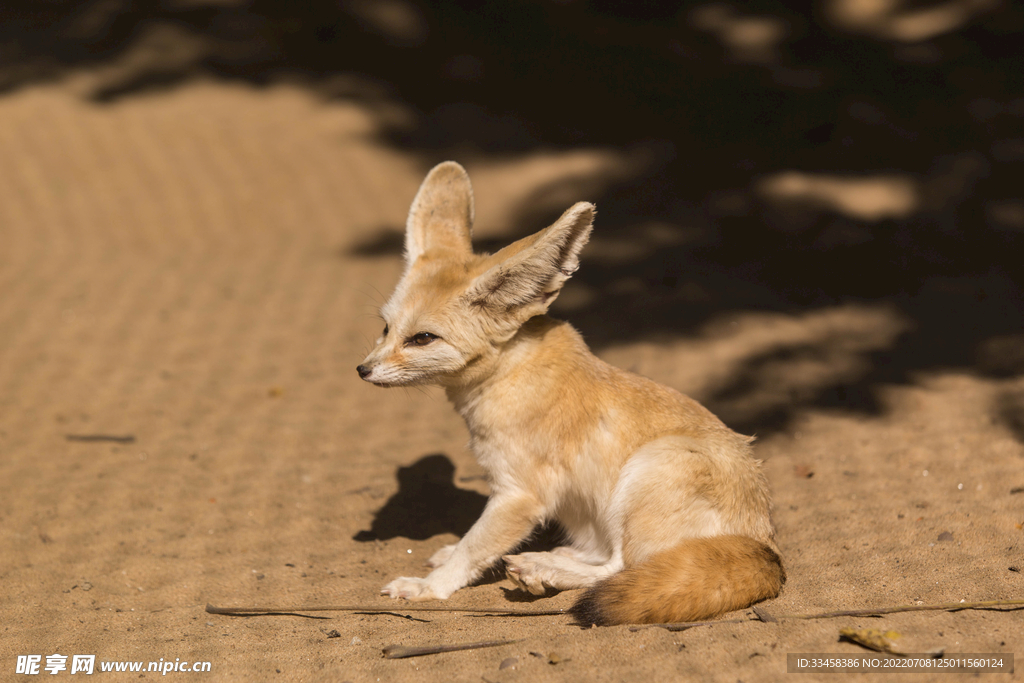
526	572
441	556
409	588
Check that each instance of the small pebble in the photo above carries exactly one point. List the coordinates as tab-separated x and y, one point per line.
945	536
508	663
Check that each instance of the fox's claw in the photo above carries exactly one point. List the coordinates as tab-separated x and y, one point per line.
524	572
409	588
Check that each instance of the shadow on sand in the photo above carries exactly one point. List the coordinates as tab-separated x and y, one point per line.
801	157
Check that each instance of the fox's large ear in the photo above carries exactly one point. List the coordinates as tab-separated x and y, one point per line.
441	215
528	274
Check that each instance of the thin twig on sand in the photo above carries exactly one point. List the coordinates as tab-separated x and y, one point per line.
402	651
373	609
762	615
90	438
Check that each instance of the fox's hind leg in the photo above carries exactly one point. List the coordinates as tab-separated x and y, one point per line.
536	572
676	488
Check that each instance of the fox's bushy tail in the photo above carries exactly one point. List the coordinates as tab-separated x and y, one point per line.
696	580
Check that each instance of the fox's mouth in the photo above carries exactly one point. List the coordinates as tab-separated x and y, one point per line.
383	383
392	383
386	379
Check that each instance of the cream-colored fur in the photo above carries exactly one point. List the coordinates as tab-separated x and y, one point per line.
632	470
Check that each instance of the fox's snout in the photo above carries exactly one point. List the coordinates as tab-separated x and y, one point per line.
363	371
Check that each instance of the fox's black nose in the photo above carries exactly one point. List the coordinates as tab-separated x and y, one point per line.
363	371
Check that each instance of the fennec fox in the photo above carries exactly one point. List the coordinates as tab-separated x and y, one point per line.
666	511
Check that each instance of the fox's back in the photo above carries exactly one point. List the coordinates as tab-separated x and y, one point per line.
547	384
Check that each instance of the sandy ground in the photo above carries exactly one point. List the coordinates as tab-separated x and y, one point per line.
191	269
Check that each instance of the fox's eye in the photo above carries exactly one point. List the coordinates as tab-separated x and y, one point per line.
422	338
385	331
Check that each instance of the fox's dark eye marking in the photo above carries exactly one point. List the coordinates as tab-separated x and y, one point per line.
421	339
385	330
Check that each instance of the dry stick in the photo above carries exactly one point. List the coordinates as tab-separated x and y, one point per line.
396	651
402	651
683	625
762	615
372	609
128	438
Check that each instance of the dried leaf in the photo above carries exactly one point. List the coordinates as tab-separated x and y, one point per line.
872	638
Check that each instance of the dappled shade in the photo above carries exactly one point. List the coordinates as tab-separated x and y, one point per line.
772	157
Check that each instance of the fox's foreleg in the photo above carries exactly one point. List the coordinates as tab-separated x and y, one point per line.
507	520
